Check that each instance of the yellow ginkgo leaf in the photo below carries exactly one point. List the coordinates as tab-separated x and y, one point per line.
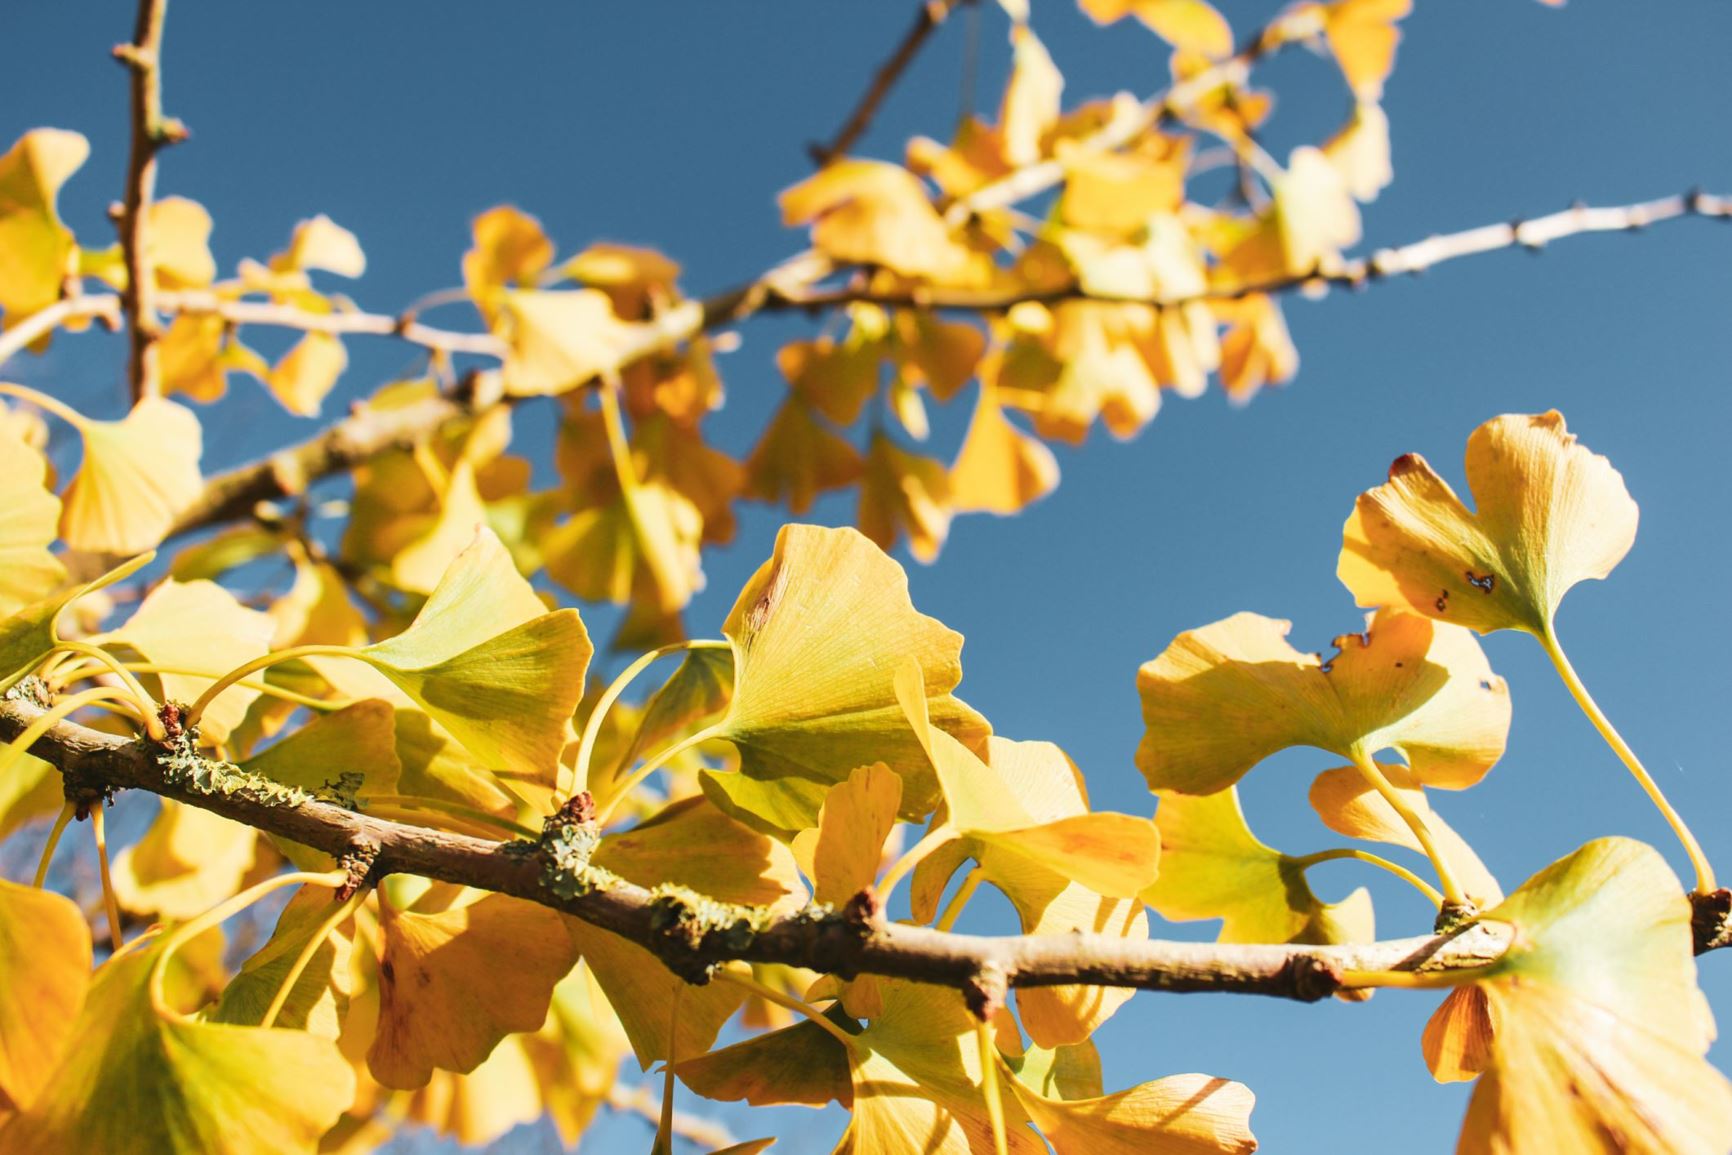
320	997
630	275
844	850
874	213
510	251
1222	698
487	661
696	692
1363	35
421	562
1348	805
321	243
1212	866
904	493
1550	514
175	1085
1000	468
692	844
817	634
1360	152
445	1000
178	243
645	995
1116	193
1590	1030
837	378
798	458
28	634
189	860
942	354
138	475
556	339
576	1055
1031	99
44	973
478	1108
29	520
197	354
351	752
307	372
1072	1072
1188	25
31	789
1311	218
798	1064
1256	349
36	250
1177	1115
198	625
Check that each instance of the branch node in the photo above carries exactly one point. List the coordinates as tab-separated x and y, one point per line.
171	130
1453	916
1313	978
986	990
1711	919
358	862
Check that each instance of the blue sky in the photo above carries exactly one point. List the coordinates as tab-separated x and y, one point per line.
674	125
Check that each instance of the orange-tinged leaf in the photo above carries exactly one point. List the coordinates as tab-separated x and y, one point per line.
798	1064
848	842
1256	349
1363	35
1212	866
510	251
31	789
1597	1027
197	354
478	1108
36	250
874	213
138	475
307	372
44	973
198	625
1550	514
690	843
817	633
643	994
835	378
798	458
174	1085
1222	698
29	521
904	493
1117	193
445	1000
1348	805
1177	1115
1000	469
943	354
1458	1038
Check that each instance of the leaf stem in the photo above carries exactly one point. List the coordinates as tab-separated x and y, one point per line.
60	409
111	904
592	726
651	766
913	857
989	1087
1573	682
263	661
221	913
1413	980
1309	860
770	994
66	813
262	687
970	883
1452	891
330	923
147	705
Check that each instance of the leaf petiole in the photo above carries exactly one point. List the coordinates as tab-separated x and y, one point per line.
1452	891
335	919
1306	861
770	994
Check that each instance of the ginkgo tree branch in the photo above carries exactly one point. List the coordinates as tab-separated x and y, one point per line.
932	13
151	133
366	432
856	940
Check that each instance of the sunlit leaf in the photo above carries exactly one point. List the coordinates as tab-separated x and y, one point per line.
138	475
173	1085
320	997
798	458
1177	1115
846	846
307	372
1188	25
643	994
1212	866
189	860
1550	514
1312	218
510	251
445	999
817	633
36	249
904	494
44	973
1590	1030
29	521
1000	469
874	213
1031	98
1349	805
321	243
1222	698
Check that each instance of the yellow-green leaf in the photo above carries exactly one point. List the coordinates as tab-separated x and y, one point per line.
29	634
138	475
1549	514
36	250
29	521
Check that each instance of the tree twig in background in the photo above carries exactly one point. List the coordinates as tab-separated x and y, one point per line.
932	13
151	133
640	1100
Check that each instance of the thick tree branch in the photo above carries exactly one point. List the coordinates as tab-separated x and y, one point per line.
857	940
151	133
932	13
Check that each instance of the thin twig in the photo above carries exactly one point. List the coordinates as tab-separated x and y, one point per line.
151	133
932	13
641	1101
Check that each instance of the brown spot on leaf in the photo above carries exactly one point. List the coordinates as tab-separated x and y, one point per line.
1405	464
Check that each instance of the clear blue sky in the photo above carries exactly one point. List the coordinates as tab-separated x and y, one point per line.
673	125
